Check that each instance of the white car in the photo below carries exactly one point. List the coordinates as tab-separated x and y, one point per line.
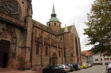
89	64
66	68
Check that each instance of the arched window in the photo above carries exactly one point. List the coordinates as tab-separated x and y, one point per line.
37	48
54	24
46	50
59	53
76	44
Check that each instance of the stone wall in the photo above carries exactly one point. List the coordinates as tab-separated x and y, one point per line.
46	39
16	38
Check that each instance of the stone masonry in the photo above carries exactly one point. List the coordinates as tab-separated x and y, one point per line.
29	44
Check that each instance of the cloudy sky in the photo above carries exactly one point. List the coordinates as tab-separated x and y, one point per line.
69	12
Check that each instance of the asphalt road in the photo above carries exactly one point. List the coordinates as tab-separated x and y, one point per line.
93	69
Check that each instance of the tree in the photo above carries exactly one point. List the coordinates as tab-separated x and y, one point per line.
99	26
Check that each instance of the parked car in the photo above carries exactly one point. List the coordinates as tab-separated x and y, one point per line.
71	67
84	66
76	66
89	64
66	68
53	69
79	66
108	68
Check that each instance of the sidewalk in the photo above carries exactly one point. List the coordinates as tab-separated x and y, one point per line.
27	71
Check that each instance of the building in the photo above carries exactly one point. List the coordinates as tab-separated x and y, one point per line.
96	59
101	59
84	59
87	57
29	44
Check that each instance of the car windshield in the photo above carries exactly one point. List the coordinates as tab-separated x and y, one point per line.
56	67
60	66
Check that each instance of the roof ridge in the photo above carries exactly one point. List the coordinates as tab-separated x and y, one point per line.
38	22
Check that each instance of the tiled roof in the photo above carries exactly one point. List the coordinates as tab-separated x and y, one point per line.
74	28
86	53
69	30
43	27
47	29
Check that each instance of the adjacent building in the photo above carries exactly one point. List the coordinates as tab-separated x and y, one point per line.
87	56
29	44
96	59
101	59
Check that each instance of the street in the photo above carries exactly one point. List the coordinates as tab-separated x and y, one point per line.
94	69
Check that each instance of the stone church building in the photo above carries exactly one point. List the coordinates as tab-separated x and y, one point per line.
29	44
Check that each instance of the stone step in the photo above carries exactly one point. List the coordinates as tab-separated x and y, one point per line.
16	71
5	69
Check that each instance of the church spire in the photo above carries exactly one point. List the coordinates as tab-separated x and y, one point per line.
53	15
53	10
54	23
65	29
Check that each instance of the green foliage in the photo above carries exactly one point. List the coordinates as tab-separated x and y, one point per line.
99	26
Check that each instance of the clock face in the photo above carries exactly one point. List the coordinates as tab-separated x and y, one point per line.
9	7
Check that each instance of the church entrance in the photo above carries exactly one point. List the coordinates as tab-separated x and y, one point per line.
53	59
4	53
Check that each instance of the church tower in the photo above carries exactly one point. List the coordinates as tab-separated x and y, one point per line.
54	22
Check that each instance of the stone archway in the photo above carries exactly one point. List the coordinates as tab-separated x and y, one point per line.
4	53
8	40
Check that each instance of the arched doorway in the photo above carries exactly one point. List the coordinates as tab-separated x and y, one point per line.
4	53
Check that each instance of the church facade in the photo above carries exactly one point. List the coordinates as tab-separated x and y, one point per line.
26	43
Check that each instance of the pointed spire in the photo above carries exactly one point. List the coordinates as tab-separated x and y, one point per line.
66	29
53	9
53	15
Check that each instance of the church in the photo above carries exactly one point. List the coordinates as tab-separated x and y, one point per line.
29	44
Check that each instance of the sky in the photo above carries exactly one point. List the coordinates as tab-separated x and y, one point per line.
69	12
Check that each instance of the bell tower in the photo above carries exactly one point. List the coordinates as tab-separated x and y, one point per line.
54	22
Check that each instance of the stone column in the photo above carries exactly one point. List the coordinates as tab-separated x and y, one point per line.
28	44
66	46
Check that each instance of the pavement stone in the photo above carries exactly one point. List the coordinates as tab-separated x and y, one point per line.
93	69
